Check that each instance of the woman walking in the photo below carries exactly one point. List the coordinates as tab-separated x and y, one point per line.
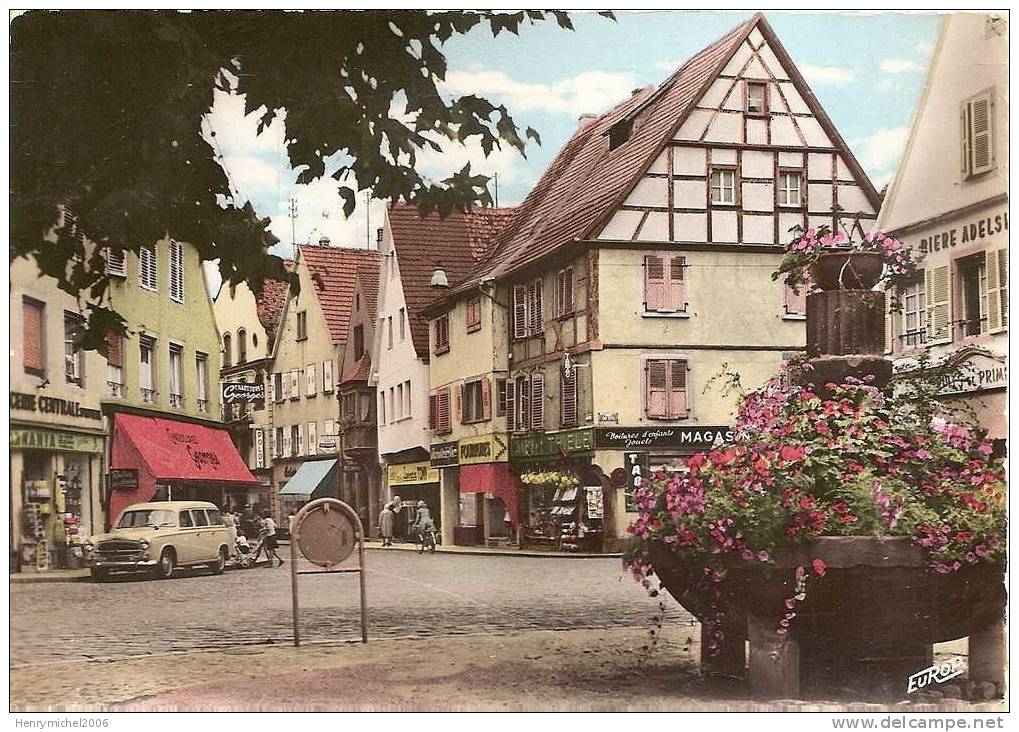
386	520
269	542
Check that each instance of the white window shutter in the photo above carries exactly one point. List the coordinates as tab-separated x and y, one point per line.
937	283
568	400
286	442
312	438
176	271
309	380
511	405
295	384
537	401
964	139
116	263
996	268
980	134
327	376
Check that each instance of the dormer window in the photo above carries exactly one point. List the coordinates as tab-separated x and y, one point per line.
757	97
619	133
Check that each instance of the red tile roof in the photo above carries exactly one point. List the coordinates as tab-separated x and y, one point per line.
332	271
270	303
359	371
368	279
586	180
457	243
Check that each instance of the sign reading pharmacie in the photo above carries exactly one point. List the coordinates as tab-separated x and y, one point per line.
491	448
241	392
700	437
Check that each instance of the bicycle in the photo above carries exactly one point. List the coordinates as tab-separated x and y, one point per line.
426	540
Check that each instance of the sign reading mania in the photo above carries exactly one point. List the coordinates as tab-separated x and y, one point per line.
31	439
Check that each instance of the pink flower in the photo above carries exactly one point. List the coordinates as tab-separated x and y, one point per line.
819	567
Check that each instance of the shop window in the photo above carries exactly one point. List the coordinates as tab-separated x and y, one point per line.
665	395
473	315
177	271
176	385
757	98
33	351
442	334
148	275
202	382
147	370
114	363
664	283
790	189
723	186
973	295
74	361
302	325
358	342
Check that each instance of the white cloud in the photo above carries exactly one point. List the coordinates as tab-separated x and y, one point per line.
670	66
827	74
590	91
923	48
879	152
901	66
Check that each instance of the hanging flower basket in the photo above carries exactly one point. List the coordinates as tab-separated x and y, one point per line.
847	270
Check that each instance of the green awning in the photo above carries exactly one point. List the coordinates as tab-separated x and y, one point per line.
307	478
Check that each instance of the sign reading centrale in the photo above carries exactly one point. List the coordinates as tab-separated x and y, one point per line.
52	405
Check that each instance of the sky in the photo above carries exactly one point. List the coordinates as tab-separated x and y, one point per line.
867	70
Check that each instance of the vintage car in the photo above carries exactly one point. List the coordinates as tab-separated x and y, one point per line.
160	536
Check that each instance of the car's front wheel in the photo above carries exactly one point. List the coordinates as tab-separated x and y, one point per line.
167	560
219	565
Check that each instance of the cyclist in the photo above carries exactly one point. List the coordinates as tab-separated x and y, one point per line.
423	520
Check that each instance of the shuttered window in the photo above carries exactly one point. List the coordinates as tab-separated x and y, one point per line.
473	315
564	292
519	311
665	389
977	123
568	400
327	376
312	438
32	324
511	405
433	411
176	271
443	421
310	382
295	384
534	309
527	310
537	401
442	333
148	276
664	283
116	263
996	266
114	348
938	294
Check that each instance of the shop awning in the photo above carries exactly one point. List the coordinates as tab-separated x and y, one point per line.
494	478
173	450
308	478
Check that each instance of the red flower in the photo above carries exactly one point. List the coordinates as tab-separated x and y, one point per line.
819	567
791	454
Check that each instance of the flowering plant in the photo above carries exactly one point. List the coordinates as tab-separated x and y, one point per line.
851	462
807	247
550	477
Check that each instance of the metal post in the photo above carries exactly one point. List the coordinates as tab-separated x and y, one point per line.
364	597
293	584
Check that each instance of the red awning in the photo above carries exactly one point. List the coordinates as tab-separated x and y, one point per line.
173	450
494	478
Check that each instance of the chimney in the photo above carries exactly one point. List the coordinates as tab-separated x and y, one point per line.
323	241
586	118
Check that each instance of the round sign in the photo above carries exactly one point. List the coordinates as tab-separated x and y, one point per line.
327	532
619	477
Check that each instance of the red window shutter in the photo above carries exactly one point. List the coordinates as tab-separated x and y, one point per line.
677	389
32	322
443	422
519	311
459	414
534	315
568	396
486	399
796	302
432	411
656	399
654	282
114	348
511	405
568	291
675	294
537	401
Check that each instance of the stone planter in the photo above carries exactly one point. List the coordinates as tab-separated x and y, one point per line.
847	270
865	626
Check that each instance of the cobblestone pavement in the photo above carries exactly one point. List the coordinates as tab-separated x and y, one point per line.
408	595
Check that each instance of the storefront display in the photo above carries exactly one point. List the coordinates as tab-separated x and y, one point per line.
561	513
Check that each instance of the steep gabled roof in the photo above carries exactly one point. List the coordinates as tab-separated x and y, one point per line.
269	304
332	271
587	180
457	243
368	280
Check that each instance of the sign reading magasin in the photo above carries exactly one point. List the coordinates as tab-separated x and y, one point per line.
634	438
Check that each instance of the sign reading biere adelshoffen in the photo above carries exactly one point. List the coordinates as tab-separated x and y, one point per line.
241	392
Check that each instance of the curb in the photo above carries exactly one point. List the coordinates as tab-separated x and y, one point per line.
499	552
27	578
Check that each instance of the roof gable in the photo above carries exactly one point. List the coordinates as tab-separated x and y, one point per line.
332	271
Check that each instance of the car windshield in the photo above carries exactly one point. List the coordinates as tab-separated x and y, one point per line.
147	517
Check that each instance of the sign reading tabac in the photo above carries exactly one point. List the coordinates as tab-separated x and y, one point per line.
412	474
643	438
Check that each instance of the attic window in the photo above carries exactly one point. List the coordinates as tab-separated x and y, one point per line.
619	133
319	281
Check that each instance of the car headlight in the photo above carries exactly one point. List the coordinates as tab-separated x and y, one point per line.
144	542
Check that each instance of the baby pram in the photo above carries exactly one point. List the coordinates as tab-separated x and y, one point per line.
246	552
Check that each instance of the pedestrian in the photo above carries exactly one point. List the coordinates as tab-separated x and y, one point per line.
230	521
399	520
423	520
269	540
386	520
362	514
